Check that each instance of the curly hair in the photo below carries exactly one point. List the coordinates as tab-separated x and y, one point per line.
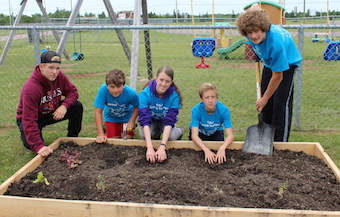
252	20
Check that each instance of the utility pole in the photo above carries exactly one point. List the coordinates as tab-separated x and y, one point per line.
10	13
176	13
304	10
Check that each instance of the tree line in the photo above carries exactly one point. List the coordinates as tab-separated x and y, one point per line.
62	13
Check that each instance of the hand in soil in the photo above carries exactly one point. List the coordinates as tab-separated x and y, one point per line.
161	154
221	156
151	155
210	156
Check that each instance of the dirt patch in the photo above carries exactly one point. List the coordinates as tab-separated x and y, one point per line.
287	180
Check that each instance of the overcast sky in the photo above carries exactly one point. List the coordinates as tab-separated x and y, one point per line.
162	6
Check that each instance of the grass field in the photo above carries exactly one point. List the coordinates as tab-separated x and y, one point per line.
102	51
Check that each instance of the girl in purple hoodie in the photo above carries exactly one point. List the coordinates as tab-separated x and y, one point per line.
159	104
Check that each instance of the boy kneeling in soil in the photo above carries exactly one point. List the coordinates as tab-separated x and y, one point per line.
208	118
120	104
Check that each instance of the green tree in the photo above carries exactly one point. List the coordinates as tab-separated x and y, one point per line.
4	20
102	15
153	15
26	19
89	14
36	18
60	14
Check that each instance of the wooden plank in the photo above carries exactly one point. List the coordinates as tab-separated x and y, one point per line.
155	143
31	207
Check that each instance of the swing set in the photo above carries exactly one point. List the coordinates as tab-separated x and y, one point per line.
63	40
77	55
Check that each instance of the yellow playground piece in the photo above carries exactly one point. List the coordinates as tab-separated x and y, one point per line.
221	40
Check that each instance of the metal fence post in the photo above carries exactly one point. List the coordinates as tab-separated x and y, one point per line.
36	42
298	82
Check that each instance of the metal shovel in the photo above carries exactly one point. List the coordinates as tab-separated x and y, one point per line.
260	137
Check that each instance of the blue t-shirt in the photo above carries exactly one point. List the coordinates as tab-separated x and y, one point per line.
207	123
158	107
117	109
277	51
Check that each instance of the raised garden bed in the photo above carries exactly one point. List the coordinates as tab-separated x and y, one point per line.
165	202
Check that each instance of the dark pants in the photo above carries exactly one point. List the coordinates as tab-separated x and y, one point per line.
278	111
217	136
74	115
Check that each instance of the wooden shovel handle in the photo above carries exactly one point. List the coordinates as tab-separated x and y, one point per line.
257	69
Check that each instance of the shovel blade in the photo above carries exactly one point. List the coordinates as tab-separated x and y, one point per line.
259	139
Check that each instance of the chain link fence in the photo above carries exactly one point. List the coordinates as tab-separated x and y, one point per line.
316	103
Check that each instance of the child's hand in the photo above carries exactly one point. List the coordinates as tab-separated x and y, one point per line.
151	155
210	157
101	139
44	151
220	156
161	154
130	127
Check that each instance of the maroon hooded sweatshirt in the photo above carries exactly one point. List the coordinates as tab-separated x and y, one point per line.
39	98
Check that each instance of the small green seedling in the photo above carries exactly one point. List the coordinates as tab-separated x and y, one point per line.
283	187
101	184
41	178
232	160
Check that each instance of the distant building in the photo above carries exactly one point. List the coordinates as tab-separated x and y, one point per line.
125	15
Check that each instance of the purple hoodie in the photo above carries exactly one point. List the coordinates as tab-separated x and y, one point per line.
145	114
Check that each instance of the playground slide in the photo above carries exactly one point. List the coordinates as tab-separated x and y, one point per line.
223	52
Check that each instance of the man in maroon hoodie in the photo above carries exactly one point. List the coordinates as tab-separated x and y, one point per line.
46	98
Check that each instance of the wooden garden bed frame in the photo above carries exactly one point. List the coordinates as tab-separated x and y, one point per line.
23	206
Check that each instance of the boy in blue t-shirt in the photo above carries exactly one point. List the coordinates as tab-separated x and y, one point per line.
208	119
276	48
120	104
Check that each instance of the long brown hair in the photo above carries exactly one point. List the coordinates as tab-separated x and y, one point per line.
169	72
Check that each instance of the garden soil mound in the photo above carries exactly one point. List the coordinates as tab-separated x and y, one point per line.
287	180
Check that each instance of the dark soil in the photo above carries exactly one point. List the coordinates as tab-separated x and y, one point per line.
287	180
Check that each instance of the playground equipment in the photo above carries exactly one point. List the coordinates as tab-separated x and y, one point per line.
76	55
275	11
71	21
223	52
16	23
203	47
221	40
332	51
317	37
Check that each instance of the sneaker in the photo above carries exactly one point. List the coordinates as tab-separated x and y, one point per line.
28	150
